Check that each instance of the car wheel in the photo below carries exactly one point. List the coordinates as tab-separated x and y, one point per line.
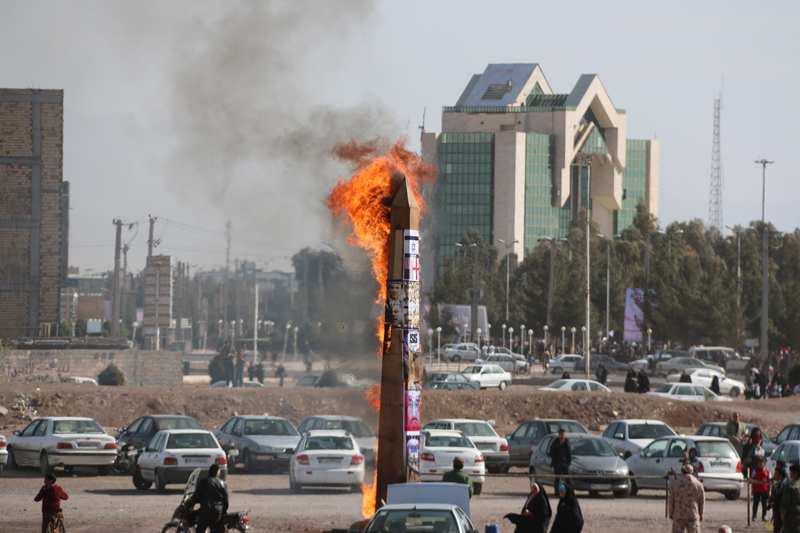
44	464
139	481
456	358
622	493
735	392
634	486
247	462
296	487
504	469
101	470
732	495
160	485
12	461
355	488
503	385
477	488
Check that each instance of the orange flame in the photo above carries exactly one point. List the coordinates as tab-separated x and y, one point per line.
368	502
374	397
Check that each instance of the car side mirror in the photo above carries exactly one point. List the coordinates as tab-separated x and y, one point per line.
144	448
619	436
508	437
120	430
16	433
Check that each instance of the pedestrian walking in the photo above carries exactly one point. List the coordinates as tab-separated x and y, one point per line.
457	475
686	502
561	457
630	381
251	371
240	362
736	432
306	351
260	372
569	518
536	513
227	360
760	490
779	481
642	382
753	448
685	378
281	373
790	502
715	385
601	374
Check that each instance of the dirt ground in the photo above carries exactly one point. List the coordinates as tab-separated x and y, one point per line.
112	502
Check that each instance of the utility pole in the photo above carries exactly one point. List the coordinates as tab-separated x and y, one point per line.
255	326
765	261
228	228
476	293
715	192
587	351
150	242
125	288
116	306
508	269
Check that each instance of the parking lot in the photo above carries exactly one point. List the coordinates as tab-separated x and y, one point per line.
98	503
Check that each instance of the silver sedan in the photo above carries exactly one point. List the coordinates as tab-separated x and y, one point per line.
679	364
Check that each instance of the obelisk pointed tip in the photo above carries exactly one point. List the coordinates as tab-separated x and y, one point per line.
404	197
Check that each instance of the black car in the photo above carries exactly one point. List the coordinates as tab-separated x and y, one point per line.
608	363
531	432
139	433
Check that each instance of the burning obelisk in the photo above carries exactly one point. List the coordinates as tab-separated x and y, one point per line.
398	429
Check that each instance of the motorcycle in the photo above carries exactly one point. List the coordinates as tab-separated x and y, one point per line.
184	520
125	461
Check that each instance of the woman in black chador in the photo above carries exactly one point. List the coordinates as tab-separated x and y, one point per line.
630	381
536	512
569	518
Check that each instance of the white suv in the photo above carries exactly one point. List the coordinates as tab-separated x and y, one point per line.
493	447
488	376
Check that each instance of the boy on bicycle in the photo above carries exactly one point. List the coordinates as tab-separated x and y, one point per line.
50	495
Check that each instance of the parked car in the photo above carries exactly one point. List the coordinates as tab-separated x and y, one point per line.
466	351
716	457
448	376
627	437
438	448
788	452
327	457
505	351
659	356
704	377
728	358
367	440
569	385
507	362
687	392
441	351
493	447
309	380
3	454
527	436
75	379
260	440
591	455
142	430
173	455
564	362
717	429
679	364
444	518
790	432
488	376
65	441
452	385
609	364
247	384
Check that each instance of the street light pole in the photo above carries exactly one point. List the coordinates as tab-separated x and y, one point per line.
608	280
563	329
572	346
508	270
504	335
587	357
765	261
439	346
521	339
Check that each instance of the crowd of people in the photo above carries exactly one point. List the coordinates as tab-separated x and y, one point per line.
234	361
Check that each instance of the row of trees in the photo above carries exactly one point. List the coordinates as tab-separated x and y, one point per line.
696	296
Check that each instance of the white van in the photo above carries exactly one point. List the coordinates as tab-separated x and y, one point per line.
731	360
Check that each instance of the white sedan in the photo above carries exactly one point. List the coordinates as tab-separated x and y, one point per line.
505	361
488	376
687	392
788	452
575	385
563	362
173	454
3	453
438	448
62	441
327	457
704	377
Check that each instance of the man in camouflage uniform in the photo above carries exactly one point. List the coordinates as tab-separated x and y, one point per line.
686	502
790	503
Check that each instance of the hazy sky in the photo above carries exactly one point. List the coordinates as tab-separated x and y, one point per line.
200	112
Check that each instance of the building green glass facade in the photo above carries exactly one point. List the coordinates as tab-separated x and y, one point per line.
634	183
466	166
541	218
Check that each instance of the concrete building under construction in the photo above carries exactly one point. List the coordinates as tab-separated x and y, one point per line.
517	161
34	203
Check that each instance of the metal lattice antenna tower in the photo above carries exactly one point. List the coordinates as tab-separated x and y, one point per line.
715	191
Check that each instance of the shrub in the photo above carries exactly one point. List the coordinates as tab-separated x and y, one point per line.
111	376
794	375
216	369
329	378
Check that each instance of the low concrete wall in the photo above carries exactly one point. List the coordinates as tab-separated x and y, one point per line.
140	367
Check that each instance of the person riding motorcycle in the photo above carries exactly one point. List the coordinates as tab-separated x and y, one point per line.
212	495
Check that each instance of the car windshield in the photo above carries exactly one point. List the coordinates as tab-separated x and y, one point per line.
177	423
447	441
437	385
556	384
265	426
583	446
307	381
570	427
437	376
179	441
666	387
329	443
412	521
718	448
72	427
475	429
648	431
472	370
356	428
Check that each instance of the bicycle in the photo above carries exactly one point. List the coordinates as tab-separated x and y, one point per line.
56	525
